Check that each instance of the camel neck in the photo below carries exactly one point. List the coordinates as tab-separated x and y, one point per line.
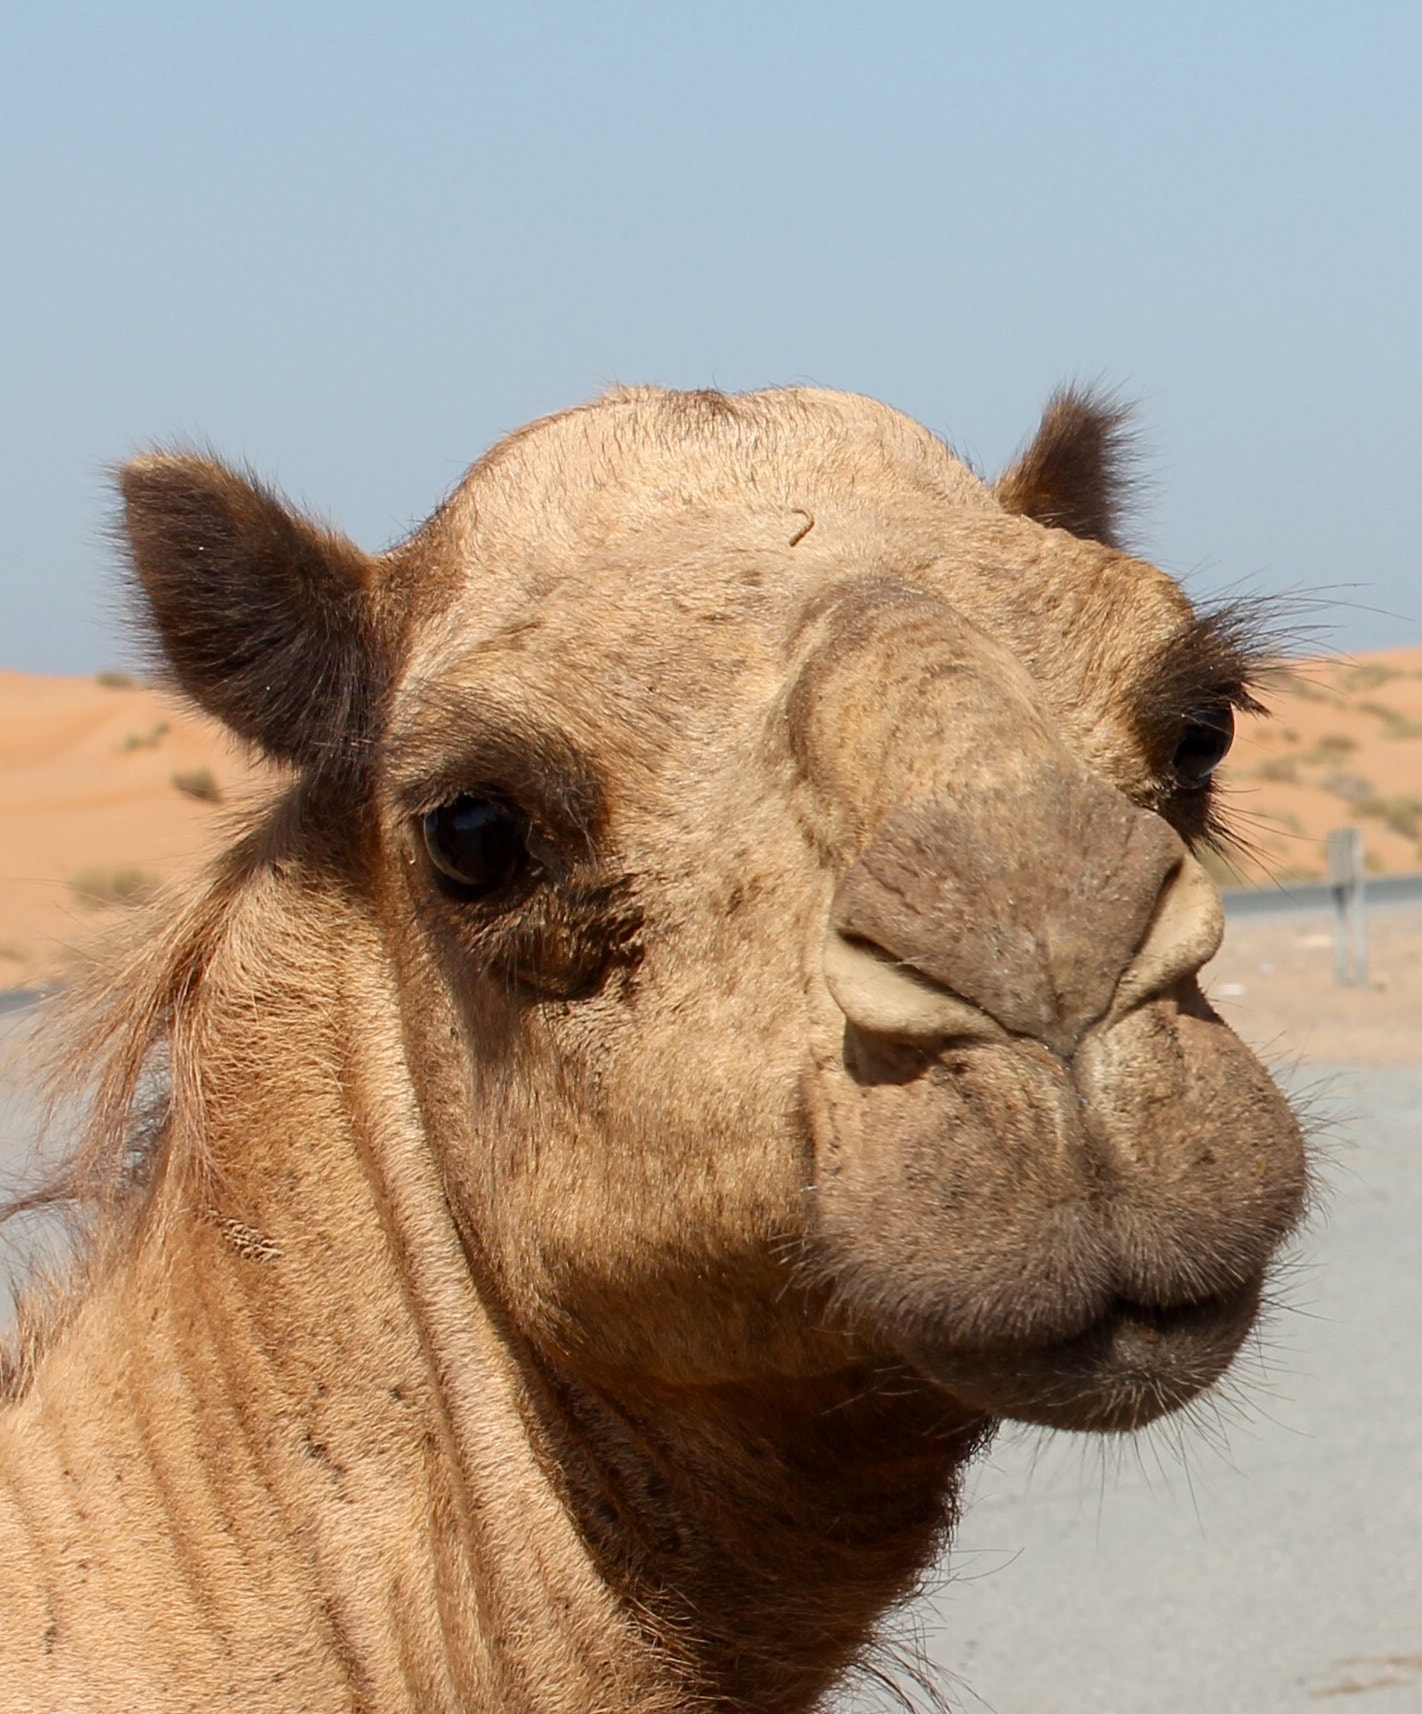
733	1546
730	1546
284	1440
489	1597
293	1432
767	1526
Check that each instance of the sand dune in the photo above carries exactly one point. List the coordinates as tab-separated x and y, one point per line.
1344	744
98	782
97	804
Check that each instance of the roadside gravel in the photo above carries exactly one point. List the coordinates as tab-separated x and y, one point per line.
1273	980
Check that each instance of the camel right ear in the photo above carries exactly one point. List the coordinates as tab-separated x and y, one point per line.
264	617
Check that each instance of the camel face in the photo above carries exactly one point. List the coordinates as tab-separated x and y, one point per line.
844	918
785	849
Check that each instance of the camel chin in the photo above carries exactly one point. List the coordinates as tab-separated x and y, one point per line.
1136	1363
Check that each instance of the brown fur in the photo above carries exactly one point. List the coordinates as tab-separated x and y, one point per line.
263	618
587	1295
1076	473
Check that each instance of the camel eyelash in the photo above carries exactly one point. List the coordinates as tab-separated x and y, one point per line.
499	757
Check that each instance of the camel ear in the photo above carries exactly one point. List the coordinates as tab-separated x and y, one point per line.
1076	474
263	616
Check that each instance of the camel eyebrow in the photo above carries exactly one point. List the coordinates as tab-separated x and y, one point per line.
1220	657
459	741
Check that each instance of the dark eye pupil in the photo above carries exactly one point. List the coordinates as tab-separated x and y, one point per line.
478	842
1204	744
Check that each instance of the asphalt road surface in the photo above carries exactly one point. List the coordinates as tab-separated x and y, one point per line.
1267	1560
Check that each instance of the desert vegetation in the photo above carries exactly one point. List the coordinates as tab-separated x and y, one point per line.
102	886
198	783
1345	745
149	740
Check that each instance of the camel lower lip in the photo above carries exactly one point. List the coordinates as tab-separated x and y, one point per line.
1136	1363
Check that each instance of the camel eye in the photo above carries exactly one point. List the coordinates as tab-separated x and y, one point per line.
479	843
1204	743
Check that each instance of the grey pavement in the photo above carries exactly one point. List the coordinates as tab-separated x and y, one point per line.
1285	897
1267	1560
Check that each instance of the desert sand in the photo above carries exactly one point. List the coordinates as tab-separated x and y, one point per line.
1342	743
1273	981
107	789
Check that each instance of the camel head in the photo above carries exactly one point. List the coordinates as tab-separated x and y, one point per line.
784	845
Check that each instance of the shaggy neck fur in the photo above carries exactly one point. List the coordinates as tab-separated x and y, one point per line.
766	1528
401	1507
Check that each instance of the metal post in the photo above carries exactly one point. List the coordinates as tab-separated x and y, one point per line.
1340	936
1345	875
1360	932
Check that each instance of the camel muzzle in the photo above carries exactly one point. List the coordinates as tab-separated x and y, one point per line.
1045	1166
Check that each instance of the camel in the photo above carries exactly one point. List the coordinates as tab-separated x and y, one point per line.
706	1025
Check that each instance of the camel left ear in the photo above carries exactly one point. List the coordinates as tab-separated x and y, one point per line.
265	618
1076	474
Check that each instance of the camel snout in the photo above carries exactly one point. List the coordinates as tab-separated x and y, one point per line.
887	996
1183	936
1045	1168
1096	908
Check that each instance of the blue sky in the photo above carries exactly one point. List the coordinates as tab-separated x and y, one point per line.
353	243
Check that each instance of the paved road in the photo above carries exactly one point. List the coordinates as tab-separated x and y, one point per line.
1272	1568
1284	897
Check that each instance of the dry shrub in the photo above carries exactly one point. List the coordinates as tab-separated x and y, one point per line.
149	740
198	783
101	886
1332	747
1395	723
1402	814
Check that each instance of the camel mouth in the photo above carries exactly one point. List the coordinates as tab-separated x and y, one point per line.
1082	1246
1134	1363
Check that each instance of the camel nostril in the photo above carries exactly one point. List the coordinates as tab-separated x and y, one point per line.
1183	935
1026	906
886	997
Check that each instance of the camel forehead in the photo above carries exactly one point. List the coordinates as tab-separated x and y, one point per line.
640	453
657	494
696	530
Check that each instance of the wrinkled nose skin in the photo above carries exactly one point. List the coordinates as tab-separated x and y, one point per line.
1044	1170
1027	905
